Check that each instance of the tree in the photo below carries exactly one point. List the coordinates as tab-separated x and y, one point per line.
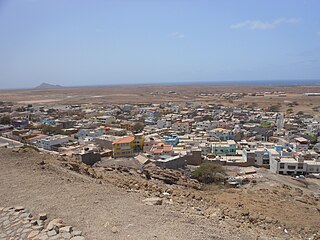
300	113
289	110
275	108
5	120
138	127
48	129
313	139
209	173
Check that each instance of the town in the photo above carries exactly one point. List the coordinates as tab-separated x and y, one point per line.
221	158
170	135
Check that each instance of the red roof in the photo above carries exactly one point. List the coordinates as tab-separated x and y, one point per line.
158	151
127	139
301	139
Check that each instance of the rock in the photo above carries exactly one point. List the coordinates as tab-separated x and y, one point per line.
78	238
40	222
65	235
18	208
114	229
41	162
33	222
153	201
42	236
52	233
33	234
76	233
7	209
42	216
169	176
37	227
169	190
65	229
53	223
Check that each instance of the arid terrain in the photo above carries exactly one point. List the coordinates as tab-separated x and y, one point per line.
108	203
203	94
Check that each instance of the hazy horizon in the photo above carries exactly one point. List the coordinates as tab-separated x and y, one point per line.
288	82
92	43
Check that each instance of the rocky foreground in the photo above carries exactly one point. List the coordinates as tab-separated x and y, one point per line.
122	203
18	223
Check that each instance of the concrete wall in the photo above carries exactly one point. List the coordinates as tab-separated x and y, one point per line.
175	163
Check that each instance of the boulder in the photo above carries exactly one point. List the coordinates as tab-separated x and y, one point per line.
53	223
153	201
42	216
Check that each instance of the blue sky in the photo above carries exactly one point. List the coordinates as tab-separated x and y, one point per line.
97	42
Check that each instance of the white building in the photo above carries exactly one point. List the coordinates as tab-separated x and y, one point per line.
48	142
164	123
106	119
261	155
294	165
93	133
206	125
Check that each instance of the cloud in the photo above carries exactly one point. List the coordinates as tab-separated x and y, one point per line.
177	35
263	25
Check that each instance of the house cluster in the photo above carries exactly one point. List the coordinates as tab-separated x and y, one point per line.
172	135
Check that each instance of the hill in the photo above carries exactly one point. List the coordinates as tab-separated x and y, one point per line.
109	204
47	86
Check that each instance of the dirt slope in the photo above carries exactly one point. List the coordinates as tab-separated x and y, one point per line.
96	208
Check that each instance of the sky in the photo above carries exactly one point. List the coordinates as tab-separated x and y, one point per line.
102	42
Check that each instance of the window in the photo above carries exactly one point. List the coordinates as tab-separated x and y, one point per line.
300	165
281	165
291	167
265	161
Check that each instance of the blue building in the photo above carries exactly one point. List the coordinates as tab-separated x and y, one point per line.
173	140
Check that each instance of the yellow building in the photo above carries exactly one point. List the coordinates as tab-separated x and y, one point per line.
128	146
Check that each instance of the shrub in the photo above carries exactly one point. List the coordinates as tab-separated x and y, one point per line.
274	108
209	173
30	147
5	120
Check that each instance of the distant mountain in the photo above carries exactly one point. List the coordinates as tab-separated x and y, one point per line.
47	86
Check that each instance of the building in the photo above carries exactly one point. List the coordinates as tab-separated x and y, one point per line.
224	148
296	165
288	166
260	155
48	142
5	128
92	133
174	162
128	146
123	147
161	148
88	157
106	119
183	127
221	133
172	140
301	144
20	123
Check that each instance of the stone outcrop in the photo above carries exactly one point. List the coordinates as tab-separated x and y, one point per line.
169	176
19	223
